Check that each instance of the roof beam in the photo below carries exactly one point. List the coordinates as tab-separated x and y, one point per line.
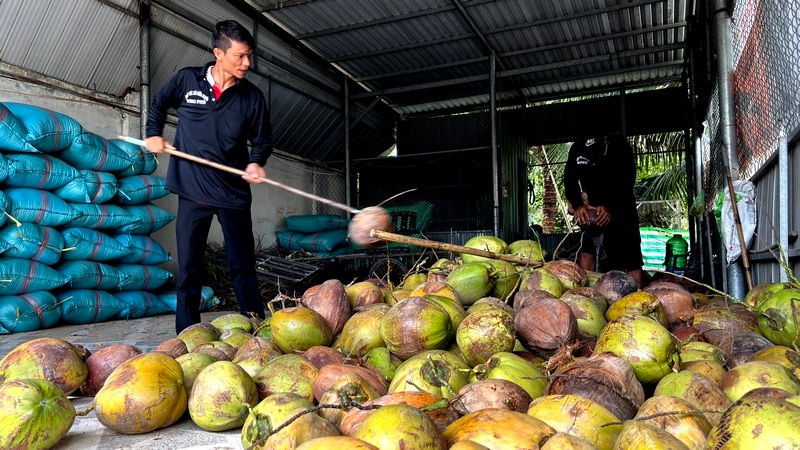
527	70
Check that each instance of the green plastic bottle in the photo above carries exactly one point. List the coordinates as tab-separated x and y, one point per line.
677	253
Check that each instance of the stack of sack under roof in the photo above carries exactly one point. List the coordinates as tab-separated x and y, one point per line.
76	224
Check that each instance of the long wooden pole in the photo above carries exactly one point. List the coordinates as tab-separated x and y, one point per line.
175	152
386	236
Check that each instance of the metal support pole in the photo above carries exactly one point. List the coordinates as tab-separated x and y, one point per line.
783	203
347	170
495	161
144	65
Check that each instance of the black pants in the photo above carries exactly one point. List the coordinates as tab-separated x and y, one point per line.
191	231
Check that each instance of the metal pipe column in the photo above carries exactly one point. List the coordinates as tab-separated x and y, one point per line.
144	65
495	162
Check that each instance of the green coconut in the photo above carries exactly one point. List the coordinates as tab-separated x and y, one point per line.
287	373
757	423
698	390
642	341
415	324
299	328
46	358
486	243
635	434
192	364
233	320
381	429
35	414
483	333
506	279
514	368
780	313
527	248
677	417
221	397
437	372
541	279
471	281
758	374
577	416
361	332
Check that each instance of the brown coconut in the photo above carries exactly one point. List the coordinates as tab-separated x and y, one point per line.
173	347
329	299
491	393
603	378
102	362
546	326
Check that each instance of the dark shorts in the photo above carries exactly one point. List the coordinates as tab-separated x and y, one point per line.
621	247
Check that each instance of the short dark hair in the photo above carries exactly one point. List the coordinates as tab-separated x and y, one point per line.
231	30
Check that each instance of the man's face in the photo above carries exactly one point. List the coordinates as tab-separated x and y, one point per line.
236	60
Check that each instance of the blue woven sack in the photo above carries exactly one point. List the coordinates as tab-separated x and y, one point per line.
93	152
315	223
208	300
13	134
21	276
139	189
31	241
39	206
143	249
3	165
5	207
324	241
149	218
141	304
47	131
144	162
85	274
84	306
29	312
289	240
143	277
89	186
94	245
101	217
39	171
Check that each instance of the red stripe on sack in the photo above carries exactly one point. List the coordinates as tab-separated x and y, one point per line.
98	304
45	206
37	308
57	123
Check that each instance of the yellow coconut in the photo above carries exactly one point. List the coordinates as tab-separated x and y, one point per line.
499	428
577	416
142	394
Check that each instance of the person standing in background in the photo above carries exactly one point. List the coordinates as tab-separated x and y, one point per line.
219	112
599	178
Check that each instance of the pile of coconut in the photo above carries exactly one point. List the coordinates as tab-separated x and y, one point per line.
469	353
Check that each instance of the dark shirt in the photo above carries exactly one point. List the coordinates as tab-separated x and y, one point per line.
216	130
607	174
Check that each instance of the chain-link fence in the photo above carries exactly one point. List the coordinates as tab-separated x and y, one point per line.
766	84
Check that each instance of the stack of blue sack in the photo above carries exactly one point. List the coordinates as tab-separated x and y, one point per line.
320	235
77	213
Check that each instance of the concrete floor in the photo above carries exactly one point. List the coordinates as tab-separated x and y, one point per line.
87	432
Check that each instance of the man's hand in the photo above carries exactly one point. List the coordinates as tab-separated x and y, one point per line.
582	215
157	144
255	174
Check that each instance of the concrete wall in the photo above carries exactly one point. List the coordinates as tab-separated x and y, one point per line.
109	117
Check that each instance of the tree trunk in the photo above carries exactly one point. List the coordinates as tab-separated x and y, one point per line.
549	200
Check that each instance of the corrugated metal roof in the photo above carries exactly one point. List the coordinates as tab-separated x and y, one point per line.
427	55
405	57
